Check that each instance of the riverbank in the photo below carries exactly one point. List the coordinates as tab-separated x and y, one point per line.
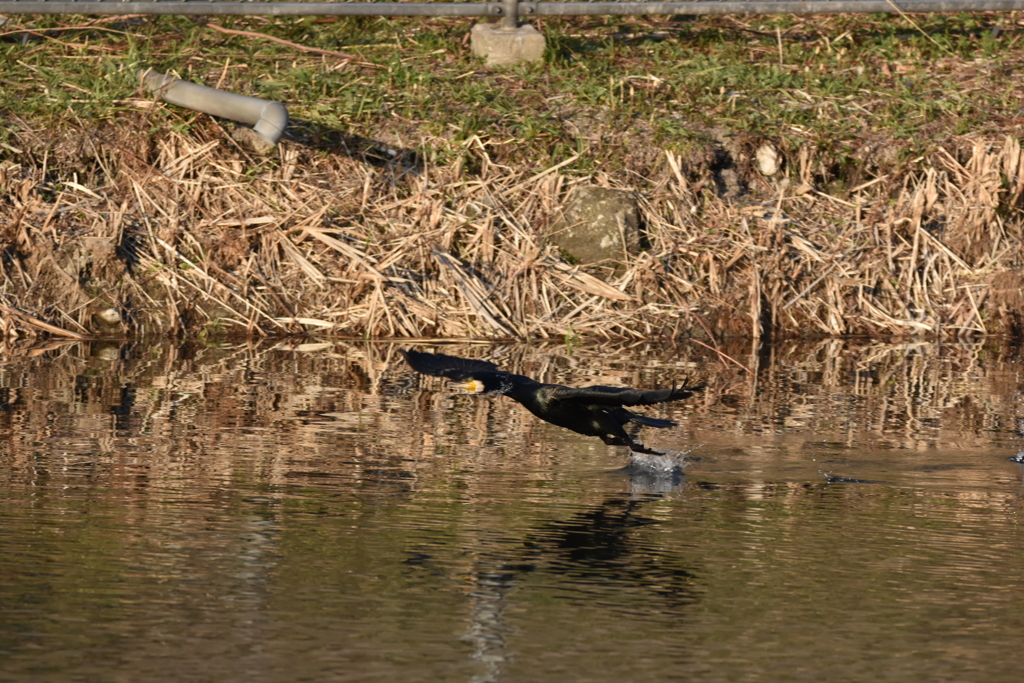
812	176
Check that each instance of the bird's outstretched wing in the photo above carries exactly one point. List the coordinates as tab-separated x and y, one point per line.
440	365
623	396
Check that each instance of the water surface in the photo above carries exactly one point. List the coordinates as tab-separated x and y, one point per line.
846	511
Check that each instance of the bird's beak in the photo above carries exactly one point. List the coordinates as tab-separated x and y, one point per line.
472	386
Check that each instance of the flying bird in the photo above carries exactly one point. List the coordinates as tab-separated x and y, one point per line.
593	411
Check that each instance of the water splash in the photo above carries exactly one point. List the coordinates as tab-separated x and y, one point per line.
656	475
672	462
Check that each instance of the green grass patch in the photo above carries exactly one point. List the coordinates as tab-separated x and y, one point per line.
605	82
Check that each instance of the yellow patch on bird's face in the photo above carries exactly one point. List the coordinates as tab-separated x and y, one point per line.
472	386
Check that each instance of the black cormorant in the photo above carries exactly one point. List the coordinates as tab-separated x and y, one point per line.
593	411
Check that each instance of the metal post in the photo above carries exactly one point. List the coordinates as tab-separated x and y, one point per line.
509	15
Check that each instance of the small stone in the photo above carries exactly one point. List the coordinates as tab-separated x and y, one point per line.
108	316
251	141
767	159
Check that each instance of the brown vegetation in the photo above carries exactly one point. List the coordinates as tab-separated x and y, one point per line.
182	238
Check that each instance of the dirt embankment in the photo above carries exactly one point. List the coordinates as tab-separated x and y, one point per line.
126	232
810	185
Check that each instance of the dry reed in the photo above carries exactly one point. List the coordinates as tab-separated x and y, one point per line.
182	237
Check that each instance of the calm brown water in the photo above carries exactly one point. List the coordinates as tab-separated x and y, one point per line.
849	512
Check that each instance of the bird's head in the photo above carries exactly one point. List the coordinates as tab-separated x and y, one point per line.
483	383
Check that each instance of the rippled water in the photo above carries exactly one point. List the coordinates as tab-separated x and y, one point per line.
844	512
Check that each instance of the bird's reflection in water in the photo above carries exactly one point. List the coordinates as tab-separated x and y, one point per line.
600	546
488	632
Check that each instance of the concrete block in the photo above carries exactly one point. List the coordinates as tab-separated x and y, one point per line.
599	224
504	47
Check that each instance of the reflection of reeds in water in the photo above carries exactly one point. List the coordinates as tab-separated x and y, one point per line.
167	437
188	241
908	395
355	414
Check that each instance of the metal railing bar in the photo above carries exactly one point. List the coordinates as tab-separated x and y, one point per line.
767	7
227	7
500	9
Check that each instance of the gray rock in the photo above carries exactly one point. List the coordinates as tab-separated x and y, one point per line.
251	141
598	224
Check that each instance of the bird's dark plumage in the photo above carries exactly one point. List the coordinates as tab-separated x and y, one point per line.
593	411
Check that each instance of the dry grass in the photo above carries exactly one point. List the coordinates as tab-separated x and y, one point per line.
185	238
881	221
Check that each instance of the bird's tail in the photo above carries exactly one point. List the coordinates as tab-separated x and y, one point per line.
649	421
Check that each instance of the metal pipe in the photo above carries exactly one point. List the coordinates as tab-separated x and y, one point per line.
767	7
229	7
267	117
450	9
509	15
